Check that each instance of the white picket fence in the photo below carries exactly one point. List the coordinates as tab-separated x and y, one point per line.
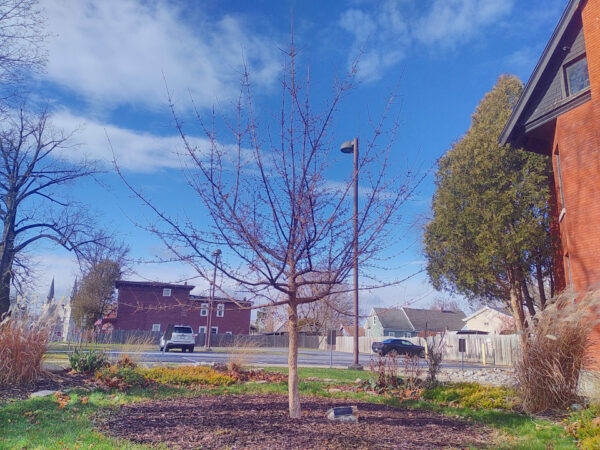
502	350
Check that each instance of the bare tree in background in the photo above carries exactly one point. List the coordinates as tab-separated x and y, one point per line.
330	312
285	229
445	304
34	205
21	37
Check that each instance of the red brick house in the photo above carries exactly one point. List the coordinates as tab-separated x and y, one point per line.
558	115
152	306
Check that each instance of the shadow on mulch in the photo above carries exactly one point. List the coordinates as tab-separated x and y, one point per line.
261	421
52	381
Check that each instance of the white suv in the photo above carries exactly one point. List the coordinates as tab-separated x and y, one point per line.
178	336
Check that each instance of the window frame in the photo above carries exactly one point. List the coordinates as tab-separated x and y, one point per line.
221	310
202	329
204	310
157	326
216	330
566	66
167	292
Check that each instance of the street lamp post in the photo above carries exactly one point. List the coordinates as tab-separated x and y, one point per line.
216	254
352	147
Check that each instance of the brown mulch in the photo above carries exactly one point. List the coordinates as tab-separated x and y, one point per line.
51	381
261	421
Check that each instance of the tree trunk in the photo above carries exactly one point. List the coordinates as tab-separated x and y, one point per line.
293	392
517	310
540	281
4	293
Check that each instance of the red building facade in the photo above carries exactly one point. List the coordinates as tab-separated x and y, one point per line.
559	115
151	306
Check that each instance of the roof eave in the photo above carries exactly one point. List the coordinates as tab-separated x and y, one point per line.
507	135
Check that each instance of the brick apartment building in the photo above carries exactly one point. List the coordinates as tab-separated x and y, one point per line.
153	305
558	114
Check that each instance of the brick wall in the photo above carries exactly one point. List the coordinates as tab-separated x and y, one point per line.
141	306
577	140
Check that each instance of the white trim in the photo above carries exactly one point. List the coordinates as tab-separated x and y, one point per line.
167	292
202	329
216	330
156	327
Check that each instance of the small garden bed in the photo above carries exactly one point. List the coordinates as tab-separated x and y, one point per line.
261	421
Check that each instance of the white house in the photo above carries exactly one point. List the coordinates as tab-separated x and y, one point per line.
490	320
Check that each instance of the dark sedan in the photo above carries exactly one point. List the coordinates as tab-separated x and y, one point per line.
399	346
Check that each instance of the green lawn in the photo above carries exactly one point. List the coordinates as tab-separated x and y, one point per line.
40	423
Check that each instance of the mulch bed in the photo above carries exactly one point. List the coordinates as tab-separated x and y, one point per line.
261	421
51	381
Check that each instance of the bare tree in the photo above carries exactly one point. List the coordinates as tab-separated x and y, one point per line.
21	36
445	304
328	313
33	203
285	228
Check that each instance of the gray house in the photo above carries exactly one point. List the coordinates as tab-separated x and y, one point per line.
409	322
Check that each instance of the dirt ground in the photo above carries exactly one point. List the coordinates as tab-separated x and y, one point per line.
261	421
51	381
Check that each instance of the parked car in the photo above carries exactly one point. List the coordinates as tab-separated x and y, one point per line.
178	336
399	346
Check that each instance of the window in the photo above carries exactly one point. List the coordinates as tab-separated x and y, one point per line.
166	292
214	330
204	309
183	330
202	330
576	76
228	332
373	320
560	179
569	274
156	327
220	310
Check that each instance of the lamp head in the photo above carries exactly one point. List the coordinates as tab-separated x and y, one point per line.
217	253
347	147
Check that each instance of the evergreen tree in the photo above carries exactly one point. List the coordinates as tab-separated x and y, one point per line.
489	237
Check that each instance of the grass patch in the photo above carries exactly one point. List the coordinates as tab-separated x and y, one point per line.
341	375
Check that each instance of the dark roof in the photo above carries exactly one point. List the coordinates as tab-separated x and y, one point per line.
151	284
393	318
204	298
435	319
514	130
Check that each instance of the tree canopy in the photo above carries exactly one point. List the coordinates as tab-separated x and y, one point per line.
489	236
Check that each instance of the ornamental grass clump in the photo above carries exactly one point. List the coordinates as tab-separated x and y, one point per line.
555	352
187	375
22	346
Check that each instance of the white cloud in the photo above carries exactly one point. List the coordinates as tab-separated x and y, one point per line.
115	52
452	22
390	32
136	151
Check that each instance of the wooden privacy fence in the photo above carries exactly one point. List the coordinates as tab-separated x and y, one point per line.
137	337
502	350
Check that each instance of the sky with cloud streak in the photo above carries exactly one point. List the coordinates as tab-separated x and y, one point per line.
112	62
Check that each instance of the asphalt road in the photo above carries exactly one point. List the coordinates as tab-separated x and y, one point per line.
266	357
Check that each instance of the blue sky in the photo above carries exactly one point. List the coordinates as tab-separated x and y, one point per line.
109	61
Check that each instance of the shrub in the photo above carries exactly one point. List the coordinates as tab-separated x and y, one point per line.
22	346
87	362
472	395
435	352
187	375
121	377
387	370
585	427
555	351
